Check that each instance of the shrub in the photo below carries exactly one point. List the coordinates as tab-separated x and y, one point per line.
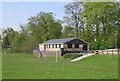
6	50
71	56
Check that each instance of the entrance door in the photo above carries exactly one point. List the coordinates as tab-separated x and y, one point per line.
85	47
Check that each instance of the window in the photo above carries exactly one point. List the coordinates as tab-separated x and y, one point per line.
59	45
69	45
55	45
77	45
52	45
44	47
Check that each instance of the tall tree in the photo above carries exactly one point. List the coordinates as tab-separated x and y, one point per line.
8	35
43	26
101	17
17	42
73	16
68	32
24	29
118	26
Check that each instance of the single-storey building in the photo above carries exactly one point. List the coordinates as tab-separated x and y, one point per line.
68	44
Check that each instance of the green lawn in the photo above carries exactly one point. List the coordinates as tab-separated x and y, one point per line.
25	66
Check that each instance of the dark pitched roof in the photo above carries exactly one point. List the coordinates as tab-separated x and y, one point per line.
60	41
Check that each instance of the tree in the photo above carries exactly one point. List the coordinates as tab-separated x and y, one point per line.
43	26
17	43
24	30
101	18
118	26
68	32
8	35
88	35
73	16
28	45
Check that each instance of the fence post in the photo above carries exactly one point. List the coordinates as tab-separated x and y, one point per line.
107	52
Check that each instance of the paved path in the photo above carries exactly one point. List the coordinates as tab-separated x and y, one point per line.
82	57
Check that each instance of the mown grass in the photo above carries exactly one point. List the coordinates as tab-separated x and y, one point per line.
26	66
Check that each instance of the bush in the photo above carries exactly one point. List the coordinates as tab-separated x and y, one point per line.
71	56
6	50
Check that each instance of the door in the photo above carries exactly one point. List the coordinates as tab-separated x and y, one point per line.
84	47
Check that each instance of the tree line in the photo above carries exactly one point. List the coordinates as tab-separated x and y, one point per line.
95	22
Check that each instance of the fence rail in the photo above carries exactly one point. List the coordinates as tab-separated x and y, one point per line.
115	52
108	52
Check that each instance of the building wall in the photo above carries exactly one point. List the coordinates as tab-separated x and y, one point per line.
56	47
73	48
41	47
52	53
65	46
50	47
73	45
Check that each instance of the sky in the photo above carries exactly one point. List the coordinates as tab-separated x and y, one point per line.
16	13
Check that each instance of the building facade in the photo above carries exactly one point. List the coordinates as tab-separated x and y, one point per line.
68	44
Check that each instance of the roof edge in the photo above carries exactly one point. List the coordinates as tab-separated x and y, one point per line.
63	42
84	41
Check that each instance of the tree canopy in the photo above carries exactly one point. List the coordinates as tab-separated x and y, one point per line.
96	22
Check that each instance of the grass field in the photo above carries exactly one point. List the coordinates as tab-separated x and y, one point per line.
25	66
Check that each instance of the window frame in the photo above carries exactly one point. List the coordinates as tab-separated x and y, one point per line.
59	45
70	45
77	45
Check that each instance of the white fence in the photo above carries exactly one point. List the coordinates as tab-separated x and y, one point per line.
117	52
